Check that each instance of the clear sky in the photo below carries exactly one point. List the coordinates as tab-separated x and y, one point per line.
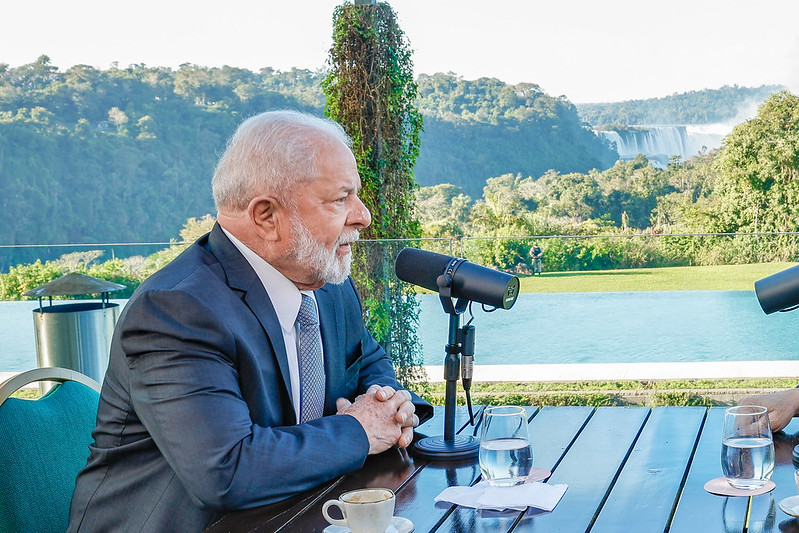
587	50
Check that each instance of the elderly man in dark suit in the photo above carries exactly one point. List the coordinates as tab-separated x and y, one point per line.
242	372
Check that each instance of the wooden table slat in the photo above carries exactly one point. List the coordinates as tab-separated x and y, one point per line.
765	514
269	518
589	468
698	510
387	470
392	470
649	483
552	431
625	467
416	500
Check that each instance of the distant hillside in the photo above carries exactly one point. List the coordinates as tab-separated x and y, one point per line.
126	154
122	155
708	106
484	128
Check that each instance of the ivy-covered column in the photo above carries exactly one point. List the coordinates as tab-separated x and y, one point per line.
370	91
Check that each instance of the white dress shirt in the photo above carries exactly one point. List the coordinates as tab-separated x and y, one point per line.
286	299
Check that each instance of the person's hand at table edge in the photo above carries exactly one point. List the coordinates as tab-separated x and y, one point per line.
406	414
782	406
387	416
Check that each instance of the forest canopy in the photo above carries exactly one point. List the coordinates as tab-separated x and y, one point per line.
723	105
125	154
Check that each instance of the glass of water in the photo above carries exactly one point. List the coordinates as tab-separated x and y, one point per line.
505	453
747	449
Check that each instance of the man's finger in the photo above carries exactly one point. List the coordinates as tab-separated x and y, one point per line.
405	413
406	438
385	393
342	403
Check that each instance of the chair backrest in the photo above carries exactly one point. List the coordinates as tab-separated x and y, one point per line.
44	443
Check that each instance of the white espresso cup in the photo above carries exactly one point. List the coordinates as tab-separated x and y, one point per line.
364	510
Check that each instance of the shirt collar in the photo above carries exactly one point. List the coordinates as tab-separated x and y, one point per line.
285	296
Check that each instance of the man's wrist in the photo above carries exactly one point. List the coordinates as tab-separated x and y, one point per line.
360	438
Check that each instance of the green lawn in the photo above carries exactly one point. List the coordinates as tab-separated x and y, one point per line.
696	278
707	392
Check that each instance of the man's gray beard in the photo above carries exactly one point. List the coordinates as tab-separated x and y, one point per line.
328	266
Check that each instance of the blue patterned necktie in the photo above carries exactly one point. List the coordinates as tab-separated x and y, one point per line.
311	365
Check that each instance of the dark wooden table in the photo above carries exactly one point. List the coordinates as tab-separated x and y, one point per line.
629	469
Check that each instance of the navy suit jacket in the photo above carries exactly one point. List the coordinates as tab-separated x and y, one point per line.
195	415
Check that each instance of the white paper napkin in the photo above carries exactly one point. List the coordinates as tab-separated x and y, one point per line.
518	497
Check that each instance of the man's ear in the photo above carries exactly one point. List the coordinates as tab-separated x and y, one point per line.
266	214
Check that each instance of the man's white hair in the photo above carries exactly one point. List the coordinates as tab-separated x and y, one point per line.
271	153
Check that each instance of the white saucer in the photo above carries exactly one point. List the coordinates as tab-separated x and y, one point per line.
398	525
790	505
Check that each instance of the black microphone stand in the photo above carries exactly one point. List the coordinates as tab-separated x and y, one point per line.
451	446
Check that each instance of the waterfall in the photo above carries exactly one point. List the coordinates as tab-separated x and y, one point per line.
659	143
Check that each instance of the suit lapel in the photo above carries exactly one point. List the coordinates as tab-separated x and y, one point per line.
241	277
331	323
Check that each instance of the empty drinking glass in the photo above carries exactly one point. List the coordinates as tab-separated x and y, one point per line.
747	449
505	453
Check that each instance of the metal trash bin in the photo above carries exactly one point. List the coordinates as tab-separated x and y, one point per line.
75	335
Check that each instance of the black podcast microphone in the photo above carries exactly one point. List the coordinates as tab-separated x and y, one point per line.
780	291
468	281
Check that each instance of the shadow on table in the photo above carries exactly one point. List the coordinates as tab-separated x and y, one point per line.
790	526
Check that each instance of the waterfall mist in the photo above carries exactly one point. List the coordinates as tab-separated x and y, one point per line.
660	143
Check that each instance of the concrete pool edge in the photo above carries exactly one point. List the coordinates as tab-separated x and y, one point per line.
626	371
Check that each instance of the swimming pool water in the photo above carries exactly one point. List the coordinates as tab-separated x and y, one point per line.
609	327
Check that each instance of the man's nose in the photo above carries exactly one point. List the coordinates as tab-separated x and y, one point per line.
359	215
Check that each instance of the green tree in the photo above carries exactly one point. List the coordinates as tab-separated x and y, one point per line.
572	196
630	190
443	211
23	278
758	185
37	75
118	118
686	209
193	81
504	210
371	92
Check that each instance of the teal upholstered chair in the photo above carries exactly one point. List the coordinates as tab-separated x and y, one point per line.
44	443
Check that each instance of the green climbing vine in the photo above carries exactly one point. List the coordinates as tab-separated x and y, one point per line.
371	92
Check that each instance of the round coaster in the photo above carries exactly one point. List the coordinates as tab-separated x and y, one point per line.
722	487
537	474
